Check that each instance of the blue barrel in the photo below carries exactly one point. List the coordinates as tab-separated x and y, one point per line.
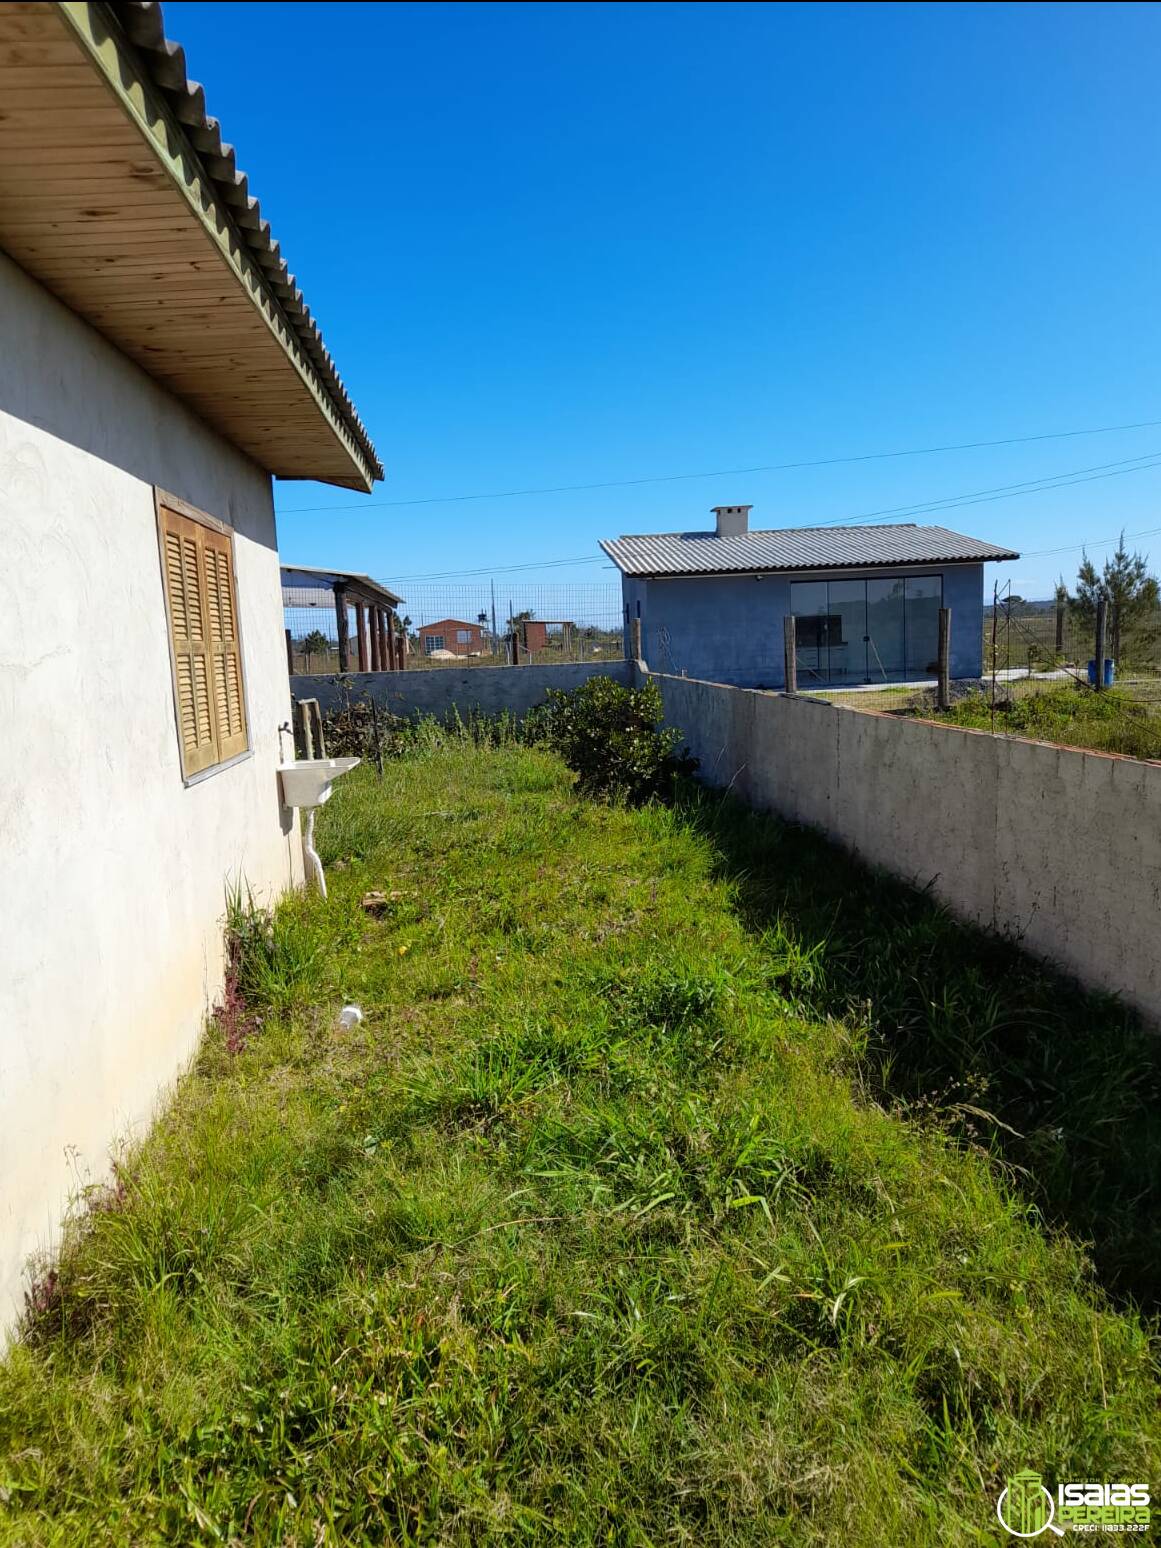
1110	673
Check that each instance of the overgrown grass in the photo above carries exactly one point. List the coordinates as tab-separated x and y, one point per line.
640	1209
1111	721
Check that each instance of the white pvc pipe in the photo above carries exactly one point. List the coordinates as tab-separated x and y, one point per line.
312	858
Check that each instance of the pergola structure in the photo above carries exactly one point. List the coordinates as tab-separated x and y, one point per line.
379	644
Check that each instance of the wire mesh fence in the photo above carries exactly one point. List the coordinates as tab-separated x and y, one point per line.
1043	677
466	625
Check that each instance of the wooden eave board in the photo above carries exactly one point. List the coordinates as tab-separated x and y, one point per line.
88	209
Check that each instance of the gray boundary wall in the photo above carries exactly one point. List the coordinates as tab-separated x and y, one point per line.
437	690
1058	847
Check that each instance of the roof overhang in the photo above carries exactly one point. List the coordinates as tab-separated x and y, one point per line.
117	194
358	588
871	568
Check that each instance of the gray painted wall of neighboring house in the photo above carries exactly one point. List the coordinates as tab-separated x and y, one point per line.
111	908
438	690
1060	847
728	628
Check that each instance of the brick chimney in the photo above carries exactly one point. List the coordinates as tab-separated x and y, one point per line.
733	520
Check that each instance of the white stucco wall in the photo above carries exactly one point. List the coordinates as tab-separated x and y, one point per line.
111	869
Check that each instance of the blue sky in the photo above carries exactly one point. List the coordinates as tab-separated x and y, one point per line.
569	244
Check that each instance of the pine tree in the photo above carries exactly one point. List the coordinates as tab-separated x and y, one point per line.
314	644
1126	586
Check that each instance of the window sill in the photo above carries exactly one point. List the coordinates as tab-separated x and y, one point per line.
218	768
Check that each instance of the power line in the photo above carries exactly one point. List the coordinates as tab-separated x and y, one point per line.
1005	491
1071	548
763	467
1045	485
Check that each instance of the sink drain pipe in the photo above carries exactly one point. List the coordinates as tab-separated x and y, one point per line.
313	862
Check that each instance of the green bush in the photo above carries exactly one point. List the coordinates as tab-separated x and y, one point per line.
613	740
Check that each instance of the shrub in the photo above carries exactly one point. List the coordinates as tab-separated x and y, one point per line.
613	740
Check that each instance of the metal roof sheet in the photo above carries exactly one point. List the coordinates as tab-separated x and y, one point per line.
796	548
305	578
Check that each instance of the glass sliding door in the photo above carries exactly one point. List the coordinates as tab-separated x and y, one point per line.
886	625
808	604
847	610
924	600
866	631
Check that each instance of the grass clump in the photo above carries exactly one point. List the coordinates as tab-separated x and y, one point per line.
635	1211
1073	715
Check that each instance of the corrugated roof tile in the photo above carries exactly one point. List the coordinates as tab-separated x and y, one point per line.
796	548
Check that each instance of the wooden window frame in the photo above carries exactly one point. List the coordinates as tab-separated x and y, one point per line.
238	747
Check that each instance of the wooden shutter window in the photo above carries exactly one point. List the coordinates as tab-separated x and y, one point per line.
224	649
201	603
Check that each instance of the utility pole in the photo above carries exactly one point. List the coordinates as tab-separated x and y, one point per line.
495	635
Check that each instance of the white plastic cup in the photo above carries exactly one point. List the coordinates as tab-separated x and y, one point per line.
350	1016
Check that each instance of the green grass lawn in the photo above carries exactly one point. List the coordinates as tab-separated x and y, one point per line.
1113	721
685	1184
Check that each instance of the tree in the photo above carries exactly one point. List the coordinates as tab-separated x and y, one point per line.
314	644
524	616
1126	586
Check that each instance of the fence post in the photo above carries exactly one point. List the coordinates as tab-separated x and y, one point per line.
1101	626
790	653
515	638
1059	627
635	636
305	723
945	658
289	655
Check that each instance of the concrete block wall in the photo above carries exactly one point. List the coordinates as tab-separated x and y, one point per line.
728	628
438	690
1059	847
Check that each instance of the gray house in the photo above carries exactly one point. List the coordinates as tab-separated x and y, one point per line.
866	601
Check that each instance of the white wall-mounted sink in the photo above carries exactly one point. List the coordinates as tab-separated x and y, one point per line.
307	783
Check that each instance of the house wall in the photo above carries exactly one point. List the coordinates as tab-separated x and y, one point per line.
728	629
111	907
486	690
1059	847
449	631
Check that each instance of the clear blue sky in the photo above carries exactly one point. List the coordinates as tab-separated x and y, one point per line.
563	244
